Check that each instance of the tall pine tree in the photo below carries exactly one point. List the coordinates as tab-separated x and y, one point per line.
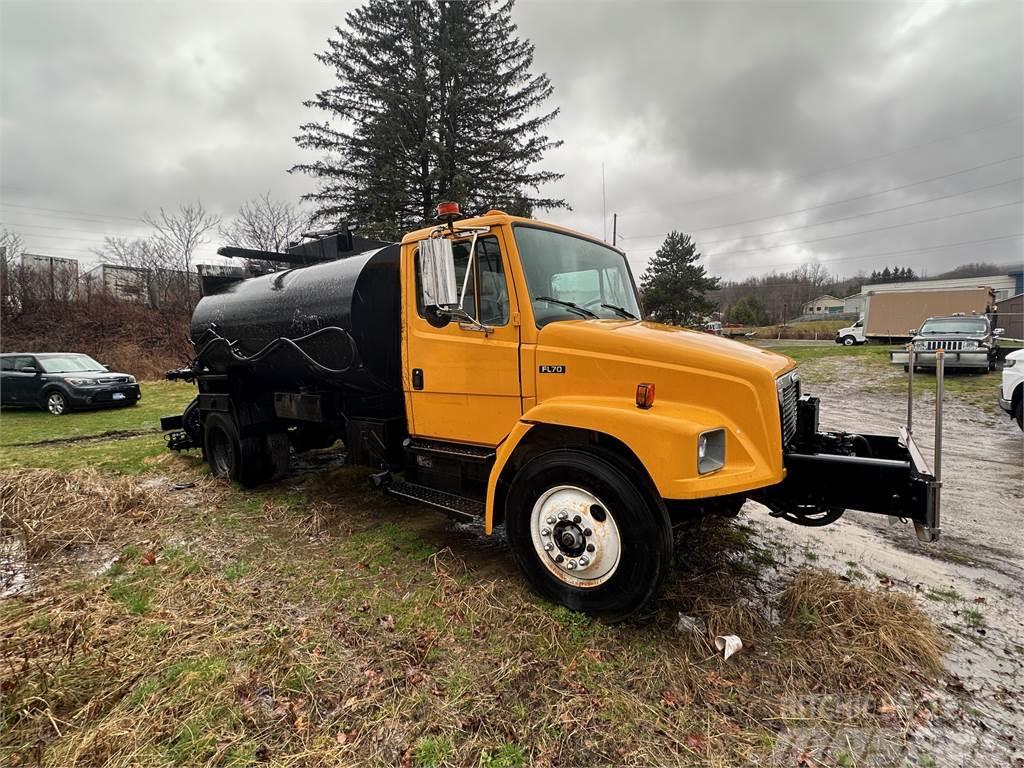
674	283
434	101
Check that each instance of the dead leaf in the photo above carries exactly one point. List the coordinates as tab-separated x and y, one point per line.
387	622
149	558
695	742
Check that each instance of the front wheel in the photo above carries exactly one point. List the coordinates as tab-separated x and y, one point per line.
586	536
56	403
849	341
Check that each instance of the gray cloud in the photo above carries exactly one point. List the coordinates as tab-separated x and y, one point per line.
703	114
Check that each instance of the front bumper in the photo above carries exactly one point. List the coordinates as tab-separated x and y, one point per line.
1005	404
871	473
104	396
974	359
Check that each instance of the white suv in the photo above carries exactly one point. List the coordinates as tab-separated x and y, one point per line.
1012	389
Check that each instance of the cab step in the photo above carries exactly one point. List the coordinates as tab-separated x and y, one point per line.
461	451
459	506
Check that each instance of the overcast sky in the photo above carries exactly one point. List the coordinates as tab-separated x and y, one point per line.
719	119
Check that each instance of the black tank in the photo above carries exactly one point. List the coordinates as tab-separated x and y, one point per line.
334	324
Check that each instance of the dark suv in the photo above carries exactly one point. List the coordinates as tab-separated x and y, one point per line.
60	381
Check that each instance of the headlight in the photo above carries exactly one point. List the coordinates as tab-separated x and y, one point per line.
1009	362
131	379
920	346
710	451
78	382
970	345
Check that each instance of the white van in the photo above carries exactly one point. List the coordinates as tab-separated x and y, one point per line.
853	334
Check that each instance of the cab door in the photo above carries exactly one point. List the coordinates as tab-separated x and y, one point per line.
462	383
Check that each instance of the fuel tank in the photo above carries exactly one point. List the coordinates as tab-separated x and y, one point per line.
335	324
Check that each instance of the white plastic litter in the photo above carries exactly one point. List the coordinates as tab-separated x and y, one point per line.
690	625
728	645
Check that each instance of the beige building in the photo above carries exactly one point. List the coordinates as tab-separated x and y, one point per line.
824	305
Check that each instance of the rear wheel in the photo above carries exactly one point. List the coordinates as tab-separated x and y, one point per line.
243	460
586	536
56	403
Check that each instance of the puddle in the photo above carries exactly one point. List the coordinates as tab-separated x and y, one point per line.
14	566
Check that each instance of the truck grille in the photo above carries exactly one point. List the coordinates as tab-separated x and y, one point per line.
113	380
949	345
789	393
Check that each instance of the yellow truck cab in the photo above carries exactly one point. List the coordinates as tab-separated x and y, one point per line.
499	368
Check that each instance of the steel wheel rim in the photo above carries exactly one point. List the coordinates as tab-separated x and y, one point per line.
559	524
55	404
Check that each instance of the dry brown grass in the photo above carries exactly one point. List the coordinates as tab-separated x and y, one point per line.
324	625
54	510
850	637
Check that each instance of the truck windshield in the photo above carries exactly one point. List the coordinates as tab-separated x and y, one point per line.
969	325
570	277
69	364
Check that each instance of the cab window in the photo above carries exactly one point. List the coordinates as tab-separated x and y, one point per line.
487	292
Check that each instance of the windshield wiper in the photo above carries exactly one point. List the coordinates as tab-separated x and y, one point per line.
581	311
621	311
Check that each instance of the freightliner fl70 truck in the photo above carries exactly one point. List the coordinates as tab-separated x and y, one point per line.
499	368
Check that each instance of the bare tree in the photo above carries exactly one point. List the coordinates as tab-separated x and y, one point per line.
265	224
182	232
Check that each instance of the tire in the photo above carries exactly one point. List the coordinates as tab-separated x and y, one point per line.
629	549
906	369
241	460
849	341
55	403
1018	413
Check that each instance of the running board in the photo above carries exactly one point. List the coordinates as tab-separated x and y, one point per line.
459	506
460	451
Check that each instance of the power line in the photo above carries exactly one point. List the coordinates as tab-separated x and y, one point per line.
833	202
20	225
864	159
863	215
867	231
893	253
65	211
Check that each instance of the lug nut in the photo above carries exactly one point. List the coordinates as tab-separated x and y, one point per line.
559	558
545	531
562	515
577	519
551	521
590	547
571	565
587	532
548	546
584	561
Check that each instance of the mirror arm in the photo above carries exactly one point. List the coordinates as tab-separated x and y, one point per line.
469	269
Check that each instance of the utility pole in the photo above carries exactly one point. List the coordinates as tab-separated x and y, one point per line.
604	209
615	228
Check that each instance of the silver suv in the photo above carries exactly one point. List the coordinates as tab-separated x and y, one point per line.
969	341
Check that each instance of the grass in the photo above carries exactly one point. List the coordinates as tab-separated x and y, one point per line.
319	623
132	444
19	426
380	641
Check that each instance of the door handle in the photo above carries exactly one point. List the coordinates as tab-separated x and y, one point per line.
417	378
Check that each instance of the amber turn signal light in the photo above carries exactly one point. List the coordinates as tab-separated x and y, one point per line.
644	395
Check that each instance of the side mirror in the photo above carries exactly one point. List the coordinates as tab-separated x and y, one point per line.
912	331
29	369
437	274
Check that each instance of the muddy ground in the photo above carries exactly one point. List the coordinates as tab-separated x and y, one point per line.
972	578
